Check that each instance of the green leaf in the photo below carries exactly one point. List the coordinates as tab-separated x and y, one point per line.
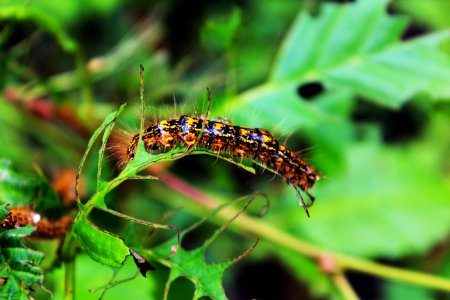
393	76
315	44
105	127
22	190
207	277
192	265
278	109
18	232
370	61
263	101
101	246
19	266
219	35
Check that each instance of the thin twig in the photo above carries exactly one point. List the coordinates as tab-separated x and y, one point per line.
344	286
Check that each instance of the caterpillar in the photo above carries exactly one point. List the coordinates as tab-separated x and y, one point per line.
224	139
45	228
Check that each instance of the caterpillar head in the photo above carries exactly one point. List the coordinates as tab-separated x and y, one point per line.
121	148
311	177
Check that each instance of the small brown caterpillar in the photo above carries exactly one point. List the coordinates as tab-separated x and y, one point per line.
224	139
45	228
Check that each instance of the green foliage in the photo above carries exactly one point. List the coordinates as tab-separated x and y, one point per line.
95	242
207	277
19	266
98	243
191	264
379	197
375	64
370	62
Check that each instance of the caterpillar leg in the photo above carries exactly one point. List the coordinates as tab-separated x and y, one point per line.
311	199
301	202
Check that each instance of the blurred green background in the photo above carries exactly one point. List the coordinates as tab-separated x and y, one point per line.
360	88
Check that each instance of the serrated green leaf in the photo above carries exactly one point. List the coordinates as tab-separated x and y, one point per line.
206	277
12	291
393	76
370	60
323	122
264	102
28	274
18	232
101	246
19	266
317	43
23	255
192	265
22	190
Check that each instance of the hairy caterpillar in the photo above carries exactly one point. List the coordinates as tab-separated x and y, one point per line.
224	139
45	228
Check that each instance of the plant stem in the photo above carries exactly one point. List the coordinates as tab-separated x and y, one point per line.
344	286
281	238
68	257
69	279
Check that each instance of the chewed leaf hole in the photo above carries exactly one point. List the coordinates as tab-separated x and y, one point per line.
310	90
